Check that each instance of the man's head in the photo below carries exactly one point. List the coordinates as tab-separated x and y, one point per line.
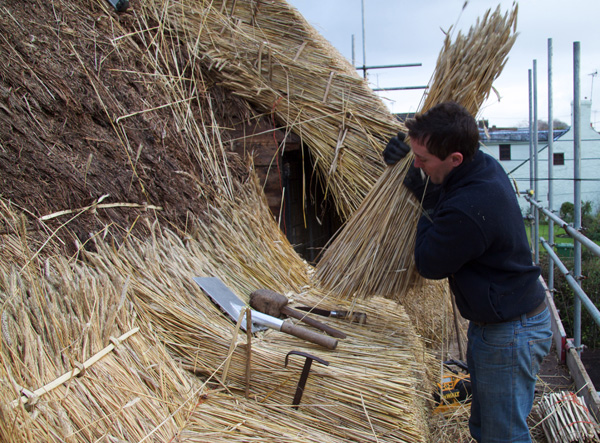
443	138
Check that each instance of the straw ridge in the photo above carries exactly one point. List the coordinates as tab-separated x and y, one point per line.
299	78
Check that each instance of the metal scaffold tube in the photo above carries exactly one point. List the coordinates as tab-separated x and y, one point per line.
577	185
581	295
536	214
576	235
530	77
550	163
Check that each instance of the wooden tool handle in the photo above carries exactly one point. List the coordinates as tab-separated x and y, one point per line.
311	321
314	337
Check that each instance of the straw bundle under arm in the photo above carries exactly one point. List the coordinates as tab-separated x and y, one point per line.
373	255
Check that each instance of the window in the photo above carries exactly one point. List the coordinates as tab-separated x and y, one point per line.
559	158
504	152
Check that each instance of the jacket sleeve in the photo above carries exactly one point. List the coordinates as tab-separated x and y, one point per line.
445	243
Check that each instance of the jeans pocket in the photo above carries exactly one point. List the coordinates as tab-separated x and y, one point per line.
538	349
498	335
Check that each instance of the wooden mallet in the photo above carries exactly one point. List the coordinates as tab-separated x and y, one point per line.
275	304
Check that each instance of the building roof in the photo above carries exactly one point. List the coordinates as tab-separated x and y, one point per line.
516	135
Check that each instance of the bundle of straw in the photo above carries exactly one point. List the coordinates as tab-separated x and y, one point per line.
566	418
373	254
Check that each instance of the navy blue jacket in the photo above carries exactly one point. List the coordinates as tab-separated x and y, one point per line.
476	238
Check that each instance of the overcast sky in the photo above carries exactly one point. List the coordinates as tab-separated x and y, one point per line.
401	32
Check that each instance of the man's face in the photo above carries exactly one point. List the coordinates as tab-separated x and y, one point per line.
436	169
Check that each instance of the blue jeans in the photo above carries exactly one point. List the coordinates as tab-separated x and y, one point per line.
504	360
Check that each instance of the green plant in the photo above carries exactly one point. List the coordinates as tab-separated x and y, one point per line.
590	222
591	225
567	211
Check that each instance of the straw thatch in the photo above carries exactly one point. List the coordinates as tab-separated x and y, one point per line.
373	255
118	189
139	88
267	53
56	315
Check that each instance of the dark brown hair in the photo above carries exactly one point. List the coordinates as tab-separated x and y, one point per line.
444	129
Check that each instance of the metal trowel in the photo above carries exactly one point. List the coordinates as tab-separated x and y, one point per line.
232	305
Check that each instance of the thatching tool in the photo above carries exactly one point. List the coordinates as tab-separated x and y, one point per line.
120	5
275	304
304	374
358	317
232	305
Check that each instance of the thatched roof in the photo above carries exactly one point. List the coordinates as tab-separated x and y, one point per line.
169	379
118	187
267	53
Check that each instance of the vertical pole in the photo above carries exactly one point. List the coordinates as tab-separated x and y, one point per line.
363	41
550	167
577	185
536	213
353	56
531	153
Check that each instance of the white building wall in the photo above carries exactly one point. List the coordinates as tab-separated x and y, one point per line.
519	166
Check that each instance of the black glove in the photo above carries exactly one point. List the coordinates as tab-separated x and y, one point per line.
426	192
396	149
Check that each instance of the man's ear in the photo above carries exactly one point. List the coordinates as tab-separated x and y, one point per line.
456	158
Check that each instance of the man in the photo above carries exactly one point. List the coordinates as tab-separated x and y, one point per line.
472	233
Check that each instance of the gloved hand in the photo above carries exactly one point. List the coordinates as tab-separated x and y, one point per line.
396	149
426	192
